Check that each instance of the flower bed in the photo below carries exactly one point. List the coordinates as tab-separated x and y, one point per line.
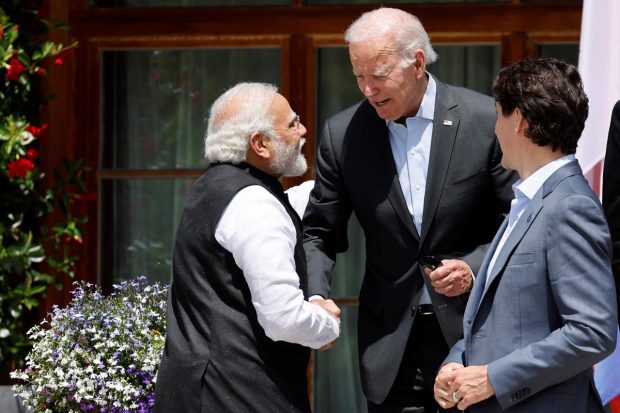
98	354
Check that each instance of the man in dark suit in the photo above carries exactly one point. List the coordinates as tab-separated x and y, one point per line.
239	328
611	191
418	164
542	311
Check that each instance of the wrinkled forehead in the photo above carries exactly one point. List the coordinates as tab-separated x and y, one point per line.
372	55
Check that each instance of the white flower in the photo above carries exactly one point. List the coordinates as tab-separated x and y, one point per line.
89	350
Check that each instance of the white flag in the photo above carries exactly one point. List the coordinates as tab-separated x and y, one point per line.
599	66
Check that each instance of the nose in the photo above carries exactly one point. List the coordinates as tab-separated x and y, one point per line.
302	129
368	88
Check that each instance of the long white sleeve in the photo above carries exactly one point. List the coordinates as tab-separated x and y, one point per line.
261	236
299	195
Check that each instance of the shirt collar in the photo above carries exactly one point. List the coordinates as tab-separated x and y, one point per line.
534	182
427	107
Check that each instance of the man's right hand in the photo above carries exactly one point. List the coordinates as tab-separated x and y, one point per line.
331	308
443	381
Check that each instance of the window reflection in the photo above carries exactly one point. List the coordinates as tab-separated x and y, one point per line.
139	220
155	101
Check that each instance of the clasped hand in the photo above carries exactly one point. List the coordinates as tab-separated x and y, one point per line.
331	308
456	385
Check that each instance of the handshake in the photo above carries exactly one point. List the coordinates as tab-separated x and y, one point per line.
331	308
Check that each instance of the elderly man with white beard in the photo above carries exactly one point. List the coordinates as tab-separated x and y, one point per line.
240	328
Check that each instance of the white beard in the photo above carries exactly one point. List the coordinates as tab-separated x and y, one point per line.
288	160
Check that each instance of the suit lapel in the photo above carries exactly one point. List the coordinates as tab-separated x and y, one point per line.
521	227
387	176
481	279
527	218
445	124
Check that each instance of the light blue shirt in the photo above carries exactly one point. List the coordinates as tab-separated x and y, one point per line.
411	148
524	192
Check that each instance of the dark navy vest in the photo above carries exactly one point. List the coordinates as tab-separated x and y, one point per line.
217	357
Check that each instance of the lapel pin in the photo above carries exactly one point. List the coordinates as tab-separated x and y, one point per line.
447	122
529	217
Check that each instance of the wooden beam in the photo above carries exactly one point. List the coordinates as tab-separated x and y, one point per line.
308	20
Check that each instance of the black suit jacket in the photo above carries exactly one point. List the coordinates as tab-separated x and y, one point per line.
467	193
611	191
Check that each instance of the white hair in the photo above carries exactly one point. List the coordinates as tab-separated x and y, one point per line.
409	34
234	117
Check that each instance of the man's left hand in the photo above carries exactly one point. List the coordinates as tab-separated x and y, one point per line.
470	385
452	278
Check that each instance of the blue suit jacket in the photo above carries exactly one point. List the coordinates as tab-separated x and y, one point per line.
547	311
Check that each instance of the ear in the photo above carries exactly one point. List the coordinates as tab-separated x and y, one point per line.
420	61
520	122
259	145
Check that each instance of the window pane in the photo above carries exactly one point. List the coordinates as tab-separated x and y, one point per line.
155	101
567	52
349	268
473	67
337	380
336	83
139	220
186	3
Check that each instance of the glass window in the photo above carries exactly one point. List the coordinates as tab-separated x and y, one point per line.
473	67
186	3
337	386
155	101
153	121
568	52
337	381
139	221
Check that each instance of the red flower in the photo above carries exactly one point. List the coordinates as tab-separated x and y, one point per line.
40	71
20	167
36	132
83	202
16	68
60	57
32	154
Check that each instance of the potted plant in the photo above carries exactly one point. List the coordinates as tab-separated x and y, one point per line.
98	354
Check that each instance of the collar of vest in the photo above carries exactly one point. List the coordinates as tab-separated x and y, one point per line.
268	180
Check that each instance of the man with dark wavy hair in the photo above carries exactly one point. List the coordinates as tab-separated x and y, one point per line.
543	309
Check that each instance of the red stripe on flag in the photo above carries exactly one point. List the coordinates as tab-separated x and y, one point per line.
594	177
614	404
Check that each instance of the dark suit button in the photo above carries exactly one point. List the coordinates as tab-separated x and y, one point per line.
526	391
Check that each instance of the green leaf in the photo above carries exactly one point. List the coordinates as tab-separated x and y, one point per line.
31	303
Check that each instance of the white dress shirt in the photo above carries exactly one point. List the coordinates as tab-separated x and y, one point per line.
411	149
256	229
524	192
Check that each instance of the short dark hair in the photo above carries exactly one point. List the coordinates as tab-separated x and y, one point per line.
549	93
